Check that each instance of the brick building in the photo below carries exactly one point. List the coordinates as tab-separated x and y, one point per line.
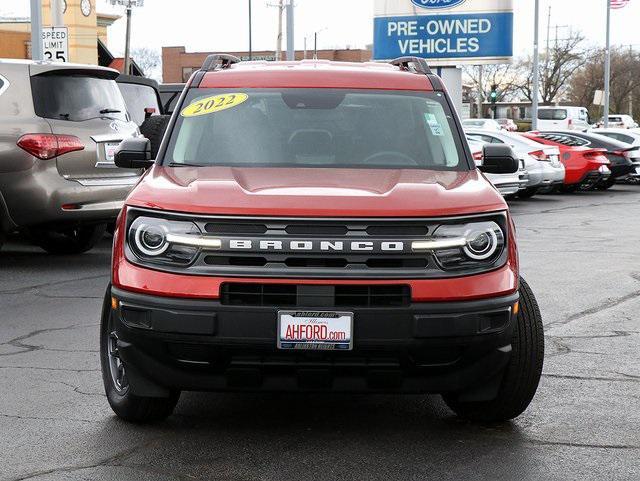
178	64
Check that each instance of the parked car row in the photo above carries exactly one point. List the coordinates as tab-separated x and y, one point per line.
557	117
564	160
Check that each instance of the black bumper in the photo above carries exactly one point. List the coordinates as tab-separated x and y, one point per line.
622	170
202	345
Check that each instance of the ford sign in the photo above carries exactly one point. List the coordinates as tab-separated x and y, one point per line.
435	4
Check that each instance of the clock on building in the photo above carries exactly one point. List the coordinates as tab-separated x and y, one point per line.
85	6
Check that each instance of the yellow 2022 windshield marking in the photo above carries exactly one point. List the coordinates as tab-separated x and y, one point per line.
211	105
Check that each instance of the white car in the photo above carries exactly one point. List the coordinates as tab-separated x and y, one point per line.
561	117
507	184
620	121
483	124
628	136
542	162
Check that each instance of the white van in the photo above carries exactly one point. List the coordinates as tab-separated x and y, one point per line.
565	118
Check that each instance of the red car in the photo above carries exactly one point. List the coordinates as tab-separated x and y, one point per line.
584	167
317	226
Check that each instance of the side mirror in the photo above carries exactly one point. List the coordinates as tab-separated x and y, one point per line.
499	159
134	153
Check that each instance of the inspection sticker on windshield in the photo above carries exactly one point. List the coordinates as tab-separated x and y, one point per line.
433	124
211	105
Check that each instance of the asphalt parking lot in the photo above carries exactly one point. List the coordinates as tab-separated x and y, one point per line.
580	254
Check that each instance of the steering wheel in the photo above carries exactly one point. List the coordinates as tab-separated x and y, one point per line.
394	158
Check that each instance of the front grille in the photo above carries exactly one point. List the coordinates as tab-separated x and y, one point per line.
320	248
328	264
307	296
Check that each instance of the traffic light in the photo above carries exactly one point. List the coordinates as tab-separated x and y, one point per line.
494	93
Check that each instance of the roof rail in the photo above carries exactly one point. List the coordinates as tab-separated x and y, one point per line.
412	64
219	60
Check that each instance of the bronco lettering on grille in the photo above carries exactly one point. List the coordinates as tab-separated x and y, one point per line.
315	245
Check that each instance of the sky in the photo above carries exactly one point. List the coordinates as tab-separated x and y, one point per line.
219	25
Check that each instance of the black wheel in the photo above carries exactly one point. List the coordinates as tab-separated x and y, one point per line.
153	129
68	240
522	373
131	408
528	192
606	184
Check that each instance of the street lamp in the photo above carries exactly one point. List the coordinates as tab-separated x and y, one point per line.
129	4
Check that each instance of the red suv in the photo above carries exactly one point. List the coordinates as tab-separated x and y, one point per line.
317	226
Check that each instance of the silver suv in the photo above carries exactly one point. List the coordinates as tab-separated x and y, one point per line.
59	127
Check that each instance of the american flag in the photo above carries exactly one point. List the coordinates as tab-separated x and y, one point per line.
619	3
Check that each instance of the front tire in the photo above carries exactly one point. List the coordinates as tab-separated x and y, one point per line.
522	373
136	409
68	241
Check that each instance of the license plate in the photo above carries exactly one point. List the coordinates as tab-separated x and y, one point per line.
637	170
315	330
110	150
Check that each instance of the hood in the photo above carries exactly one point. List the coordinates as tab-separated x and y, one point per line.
305	192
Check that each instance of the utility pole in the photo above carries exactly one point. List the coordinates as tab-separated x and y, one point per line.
607	68
548	33
291	53
480	90
279	40
128	4
305	48
250	31
536	68
315	45
631	90
36	30
127	43
315	42
57	19
548	54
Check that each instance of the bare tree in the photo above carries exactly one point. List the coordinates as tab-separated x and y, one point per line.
147	59
625	80
557	67
504	76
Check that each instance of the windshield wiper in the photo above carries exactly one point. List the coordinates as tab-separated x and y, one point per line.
184	164
64	116
110	111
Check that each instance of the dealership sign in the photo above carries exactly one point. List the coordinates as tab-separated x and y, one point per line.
437	3
447	32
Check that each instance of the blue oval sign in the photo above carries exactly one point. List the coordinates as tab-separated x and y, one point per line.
435	4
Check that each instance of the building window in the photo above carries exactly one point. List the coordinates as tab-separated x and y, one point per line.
186	72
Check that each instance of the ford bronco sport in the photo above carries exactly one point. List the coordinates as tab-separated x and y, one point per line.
317	226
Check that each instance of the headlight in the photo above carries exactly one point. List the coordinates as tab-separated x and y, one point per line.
166	241
464	246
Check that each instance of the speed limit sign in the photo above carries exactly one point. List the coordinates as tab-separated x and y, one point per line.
55	44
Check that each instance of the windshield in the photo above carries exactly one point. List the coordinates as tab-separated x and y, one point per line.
552	114
77	97
316	128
